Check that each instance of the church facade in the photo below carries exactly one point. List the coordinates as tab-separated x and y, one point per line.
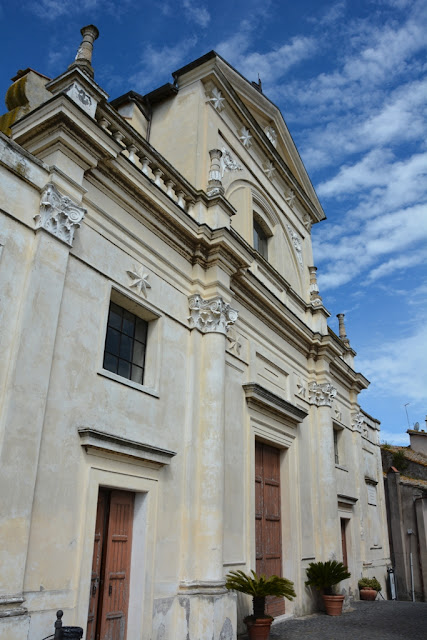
174	405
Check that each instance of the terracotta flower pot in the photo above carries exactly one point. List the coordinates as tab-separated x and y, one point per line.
366	593
333	605
259	629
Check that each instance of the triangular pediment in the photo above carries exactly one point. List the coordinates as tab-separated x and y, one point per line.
261	117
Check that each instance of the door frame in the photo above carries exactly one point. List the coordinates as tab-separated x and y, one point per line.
270	431
140	607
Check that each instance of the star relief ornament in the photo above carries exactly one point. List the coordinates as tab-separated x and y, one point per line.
269	169
217	99
245	137
139	280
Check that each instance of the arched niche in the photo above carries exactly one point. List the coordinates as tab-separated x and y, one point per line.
252	205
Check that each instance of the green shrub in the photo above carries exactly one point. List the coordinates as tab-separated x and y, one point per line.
324	575
369	582
259	587
399	460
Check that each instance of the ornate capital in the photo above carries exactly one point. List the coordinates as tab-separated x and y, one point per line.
58	214
321	394
357	421
210	316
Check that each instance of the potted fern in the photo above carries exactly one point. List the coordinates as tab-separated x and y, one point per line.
324	576
259	587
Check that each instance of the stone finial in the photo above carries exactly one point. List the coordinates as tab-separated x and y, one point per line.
313	288
83	57
215	173
342	331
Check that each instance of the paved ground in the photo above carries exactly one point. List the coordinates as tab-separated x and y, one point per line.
379	620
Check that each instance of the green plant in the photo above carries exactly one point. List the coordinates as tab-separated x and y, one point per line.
259	587
324	575
399	460
371	583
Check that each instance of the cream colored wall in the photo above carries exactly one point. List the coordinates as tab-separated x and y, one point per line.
195	516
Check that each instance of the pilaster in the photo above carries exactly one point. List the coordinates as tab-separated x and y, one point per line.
202	587
321	396
27	389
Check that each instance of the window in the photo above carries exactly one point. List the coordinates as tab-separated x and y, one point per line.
260	240
125	344
336	453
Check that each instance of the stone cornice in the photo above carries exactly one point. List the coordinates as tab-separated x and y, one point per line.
261	398
252	294
101	443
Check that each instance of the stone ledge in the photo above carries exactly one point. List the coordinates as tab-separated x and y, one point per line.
266	400
101	443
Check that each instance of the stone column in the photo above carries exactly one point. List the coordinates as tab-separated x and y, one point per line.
202	592
27	394
321	397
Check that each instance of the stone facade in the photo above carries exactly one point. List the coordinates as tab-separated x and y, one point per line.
405	480
149	203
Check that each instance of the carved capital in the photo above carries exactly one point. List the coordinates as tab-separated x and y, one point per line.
321	395
357	421
210	316
58	214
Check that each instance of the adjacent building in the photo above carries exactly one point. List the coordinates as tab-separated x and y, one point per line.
405	480
173	403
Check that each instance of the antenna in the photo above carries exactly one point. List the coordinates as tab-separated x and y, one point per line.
407	417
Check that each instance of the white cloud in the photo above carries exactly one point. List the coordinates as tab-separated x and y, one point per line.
397	439
397	182
355	253
398	366
196	13
405	261
53	9
271	65
152	63
331	14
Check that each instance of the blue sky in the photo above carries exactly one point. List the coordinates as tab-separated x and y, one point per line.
350	79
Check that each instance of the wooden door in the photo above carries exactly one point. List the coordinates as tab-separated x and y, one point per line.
109	595
96	565
268	536
344	541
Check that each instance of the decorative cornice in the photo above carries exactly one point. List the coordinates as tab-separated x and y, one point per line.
321	395
58	215
10	606
201	587
210	316
262	398
95	442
